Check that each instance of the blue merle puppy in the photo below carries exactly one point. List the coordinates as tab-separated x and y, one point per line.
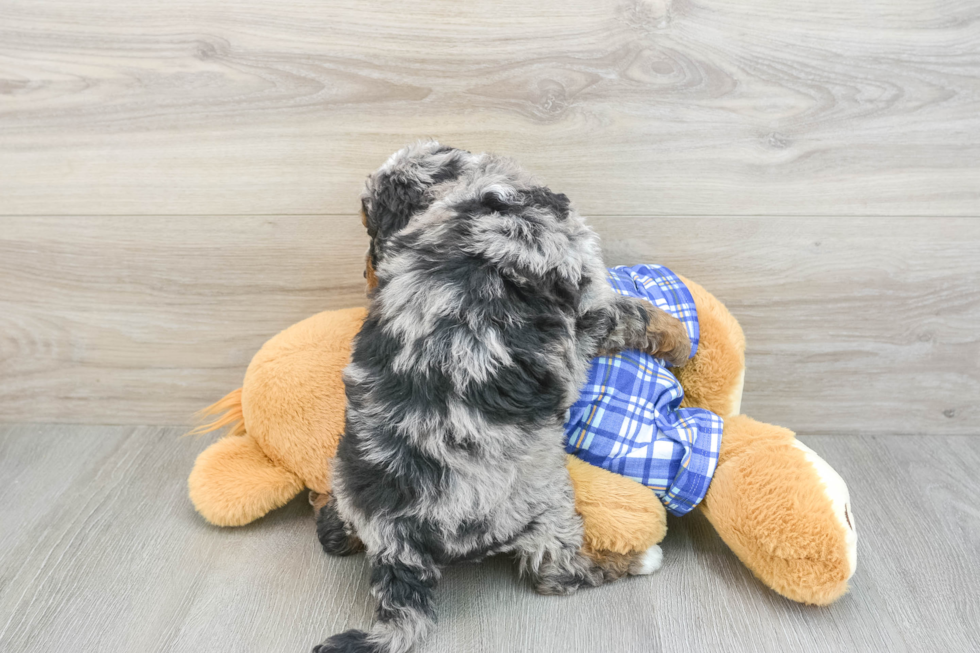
490	301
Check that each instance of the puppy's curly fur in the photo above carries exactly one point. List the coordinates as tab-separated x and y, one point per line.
491	300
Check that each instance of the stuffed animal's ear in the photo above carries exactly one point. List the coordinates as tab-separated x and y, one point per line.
233	482
620	515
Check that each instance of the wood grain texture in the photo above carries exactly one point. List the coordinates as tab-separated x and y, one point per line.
102	551
853	325
668	107
148	319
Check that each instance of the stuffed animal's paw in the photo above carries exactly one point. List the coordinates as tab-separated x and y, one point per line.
648	562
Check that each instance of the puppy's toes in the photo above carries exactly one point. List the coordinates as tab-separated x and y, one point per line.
552	587
668	337
578	572
563	586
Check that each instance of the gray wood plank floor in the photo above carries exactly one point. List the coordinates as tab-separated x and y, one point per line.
100	550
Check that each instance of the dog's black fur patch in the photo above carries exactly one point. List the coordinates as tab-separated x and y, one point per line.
350	641
334	534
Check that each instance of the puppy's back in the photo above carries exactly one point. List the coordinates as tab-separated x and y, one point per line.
476	303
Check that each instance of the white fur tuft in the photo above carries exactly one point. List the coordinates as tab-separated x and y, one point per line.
650	562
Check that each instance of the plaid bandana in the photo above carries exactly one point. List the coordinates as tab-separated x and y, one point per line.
627	418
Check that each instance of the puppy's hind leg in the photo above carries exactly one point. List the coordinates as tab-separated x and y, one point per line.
550	553
336	536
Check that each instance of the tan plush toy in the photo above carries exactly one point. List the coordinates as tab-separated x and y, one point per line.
782	509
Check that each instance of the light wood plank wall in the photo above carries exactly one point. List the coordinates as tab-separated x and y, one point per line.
178	181
854	325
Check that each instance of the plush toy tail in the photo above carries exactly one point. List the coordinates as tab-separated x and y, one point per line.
233	481
227	411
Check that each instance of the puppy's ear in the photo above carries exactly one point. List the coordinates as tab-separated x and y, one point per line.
403	187
386	208
389	202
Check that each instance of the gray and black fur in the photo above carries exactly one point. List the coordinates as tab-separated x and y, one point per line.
491	300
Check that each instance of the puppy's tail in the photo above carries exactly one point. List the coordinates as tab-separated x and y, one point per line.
405	610
227	411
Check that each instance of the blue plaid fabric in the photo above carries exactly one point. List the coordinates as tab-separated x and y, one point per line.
627	418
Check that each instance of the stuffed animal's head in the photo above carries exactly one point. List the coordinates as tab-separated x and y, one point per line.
404	186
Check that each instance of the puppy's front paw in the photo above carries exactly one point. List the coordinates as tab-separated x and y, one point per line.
667	337
350	641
